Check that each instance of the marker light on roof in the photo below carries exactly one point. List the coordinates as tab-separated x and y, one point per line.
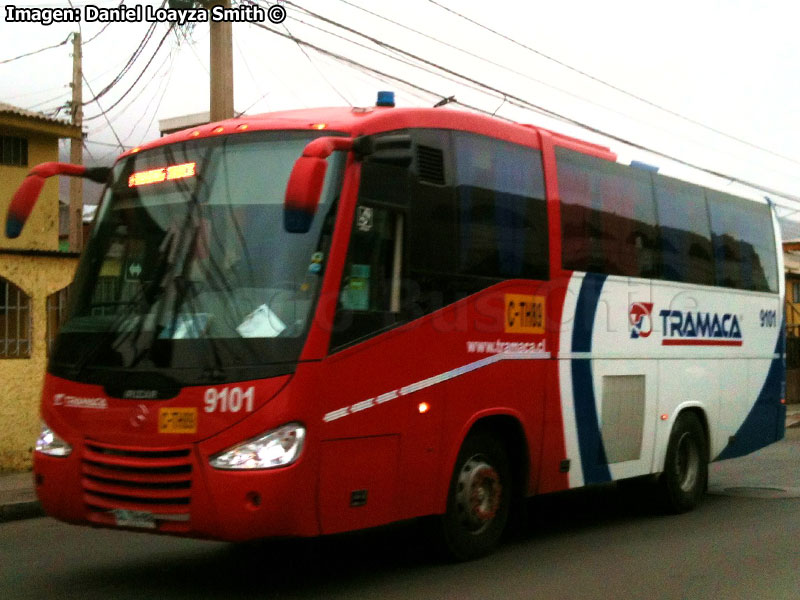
242	127
219	129
385	99
195	133
135	150
319	125
169	173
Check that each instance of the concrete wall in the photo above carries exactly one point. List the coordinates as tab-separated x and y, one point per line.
21	378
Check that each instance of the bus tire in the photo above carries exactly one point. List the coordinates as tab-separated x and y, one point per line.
684	480
479	499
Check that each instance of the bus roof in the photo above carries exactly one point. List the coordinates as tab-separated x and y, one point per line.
371	120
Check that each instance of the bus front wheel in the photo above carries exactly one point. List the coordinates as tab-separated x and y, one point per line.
683	482
479	498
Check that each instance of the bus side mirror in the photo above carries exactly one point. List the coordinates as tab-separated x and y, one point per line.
28	192
305	182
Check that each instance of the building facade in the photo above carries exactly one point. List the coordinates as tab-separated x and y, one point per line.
34	277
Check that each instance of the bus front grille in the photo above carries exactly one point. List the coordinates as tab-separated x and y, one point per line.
137	487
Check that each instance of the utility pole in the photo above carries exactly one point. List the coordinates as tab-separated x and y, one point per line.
76	151
221	61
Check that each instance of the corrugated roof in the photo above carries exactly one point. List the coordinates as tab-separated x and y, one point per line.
30	114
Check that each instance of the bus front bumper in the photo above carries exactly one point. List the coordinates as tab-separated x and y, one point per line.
175	491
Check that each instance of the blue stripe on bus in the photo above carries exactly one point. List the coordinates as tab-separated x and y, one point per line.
590	442
766	421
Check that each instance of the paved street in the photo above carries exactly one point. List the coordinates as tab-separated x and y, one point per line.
741	543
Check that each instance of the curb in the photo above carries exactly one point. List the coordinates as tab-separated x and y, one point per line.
20	510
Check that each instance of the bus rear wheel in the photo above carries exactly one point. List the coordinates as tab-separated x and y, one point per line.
479	499
685	476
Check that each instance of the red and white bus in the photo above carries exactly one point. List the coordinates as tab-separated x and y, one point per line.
317	321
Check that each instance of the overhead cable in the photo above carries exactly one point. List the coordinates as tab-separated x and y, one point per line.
144	70
8	60
520	102
614	87
560	90
358	65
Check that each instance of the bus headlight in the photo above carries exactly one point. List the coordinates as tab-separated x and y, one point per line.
49	443
277	448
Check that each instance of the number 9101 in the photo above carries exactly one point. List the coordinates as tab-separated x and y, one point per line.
229	399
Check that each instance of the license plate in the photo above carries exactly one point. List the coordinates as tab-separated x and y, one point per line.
134	518
177	420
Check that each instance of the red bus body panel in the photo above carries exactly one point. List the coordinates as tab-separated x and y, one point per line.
385	418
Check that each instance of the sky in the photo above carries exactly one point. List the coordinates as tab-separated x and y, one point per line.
712	83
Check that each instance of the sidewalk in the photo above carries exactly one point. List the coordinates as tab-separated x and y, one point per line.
793	415
18	498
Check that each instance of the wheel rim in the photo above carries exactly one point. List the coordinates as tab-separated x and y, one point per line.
687	462
478	494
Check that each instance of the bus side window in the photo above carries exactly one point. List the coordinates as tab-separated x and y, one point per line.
685	232
608	218
370	296
477	216
502	213
370	264
744	251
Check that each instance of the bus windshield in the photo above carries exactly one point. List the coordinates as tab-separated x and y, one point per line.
189	268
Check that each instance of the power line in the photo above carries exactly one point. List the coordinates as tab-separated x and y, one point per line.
482	85
392	56
614	87
330	84
88	141
155	112
300	47
168	76
128	65
121	98
8	60
104	114
191	47
53	99
358	65
85	147
548	85
522	103
97	34
136	96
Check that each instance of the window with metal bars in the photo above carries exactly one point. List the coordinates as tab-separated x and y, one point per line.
56	314
15	321
13	151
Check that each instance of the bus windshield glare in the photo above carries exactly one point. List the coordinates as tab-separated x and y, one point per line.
189	269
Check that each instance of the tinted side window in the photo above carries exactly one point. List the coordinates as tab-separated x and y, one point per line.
500	208
685	233
608	219
370	295
482	219
743	243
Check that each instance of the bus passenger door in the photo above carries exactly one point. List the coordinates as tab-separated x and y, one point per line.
363	414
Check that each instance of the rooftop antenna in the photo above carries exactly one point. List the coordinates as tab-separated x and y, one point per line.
444	101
